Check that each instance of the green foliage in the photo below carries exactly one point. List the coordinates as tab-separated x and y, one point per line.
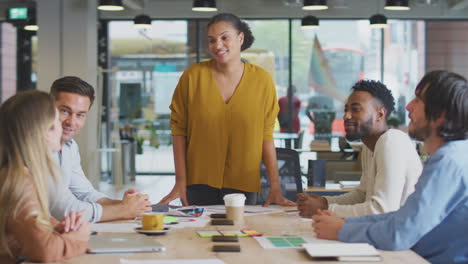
393	122
132	46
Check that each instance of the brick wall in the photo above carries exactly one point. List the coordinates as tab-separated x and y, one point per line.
447	46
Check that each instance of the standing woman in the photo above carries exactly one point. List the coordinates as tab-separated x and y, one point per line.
29	131
222	119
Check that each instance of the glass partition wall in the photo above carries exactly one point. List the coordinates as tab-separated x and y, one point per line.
147	65
322	64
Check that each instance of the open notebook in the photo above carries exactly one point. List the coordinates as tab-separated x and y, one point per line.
343	252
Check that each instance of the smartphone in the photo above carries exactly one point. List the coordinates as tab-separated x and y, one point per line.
222	222
160	207
224	239
226	248
218	215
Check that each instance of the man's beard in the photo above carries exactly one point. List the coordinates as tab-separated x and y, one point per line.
420	133
361	131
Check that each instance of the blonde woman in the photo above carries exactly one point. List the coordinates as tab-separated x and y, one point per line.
29	132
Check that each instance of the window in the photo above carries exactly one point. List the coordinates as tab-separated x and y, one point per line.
149	64
326	63
404	46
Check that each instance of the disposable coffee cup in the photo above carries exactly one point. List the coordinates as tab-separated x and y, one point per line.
234	204
152	221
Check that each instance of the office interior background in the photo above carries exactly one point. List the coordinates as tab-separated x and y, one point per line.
135	70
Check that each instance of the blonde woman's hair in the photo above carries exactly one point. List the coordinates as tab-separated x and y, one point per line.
25	157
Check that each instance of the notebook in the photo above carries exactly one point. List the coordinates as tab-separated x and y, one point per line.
122	243
343	252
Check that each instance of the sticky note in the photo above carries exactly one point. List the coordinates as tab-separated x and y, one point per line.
250	232
233	233
208	233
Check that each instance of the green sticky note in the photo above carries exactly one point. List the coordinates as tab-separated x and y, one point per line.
208	233
170	219
233	233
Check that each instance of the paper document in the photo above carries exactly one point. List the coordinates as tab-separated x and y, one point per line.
349	184
343	251
332	186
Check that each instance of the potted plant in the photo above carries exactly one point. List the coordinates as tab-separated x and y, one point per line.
139	144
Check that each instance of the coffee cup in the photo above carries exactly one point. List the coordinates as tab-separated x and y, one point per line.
234	204
152	221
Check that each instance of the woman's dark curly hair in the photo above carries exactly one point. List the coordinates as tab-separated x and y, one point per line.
236	23
379	91
446	93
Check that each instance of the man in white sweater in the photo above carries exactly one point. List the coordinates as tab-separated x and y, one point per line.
390	163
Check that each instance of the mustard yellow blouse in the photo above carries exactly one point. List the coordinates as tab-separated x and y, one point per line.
224	141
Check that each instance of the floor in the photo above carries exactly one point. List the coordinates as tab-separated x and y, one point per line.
153	185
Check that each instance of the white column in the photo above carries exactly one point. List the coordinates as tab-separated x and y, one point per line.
67	45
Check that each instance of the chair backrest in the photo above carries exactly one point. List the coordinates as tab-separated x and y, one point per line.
334	169
289	172
299	140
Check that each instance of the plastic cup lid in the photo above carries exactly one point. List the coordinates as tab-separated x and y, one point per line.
234	199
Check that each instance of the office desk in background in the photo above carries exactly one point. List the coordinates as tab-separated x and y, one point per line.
322	191
287	138
186	244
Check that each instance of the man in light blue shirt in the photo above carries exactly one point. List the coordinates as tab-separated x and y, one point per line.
74	192
434	220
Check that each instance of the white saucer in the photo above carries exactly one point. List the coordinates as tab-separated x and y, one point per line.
152	232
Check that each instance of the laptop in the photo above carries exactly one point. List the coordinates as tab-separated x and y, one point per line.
123	243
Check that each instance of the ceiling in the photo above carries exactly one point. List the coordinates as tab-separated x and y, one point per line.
440	9
166	9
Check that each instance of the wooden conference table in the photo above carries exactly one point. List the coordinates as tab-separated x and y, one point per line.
186	244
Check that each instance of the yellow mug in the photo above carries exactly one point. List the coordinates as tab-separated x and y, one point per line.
152	221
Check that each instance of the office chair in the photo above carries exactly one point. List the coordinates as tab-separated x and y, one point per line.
289	172
299	140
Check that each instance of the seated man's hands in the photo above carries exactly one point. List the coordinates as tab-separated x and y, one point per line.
327	225
308	204
135	204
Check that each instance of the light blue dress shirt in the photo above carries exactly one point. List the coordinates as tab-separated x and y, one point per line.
73	192
434	220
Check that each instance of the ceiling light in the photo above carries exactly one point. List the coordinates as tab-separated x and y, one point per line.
397	5
31	25
315	5
309	22
204	5
110	5
142	21
378	21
